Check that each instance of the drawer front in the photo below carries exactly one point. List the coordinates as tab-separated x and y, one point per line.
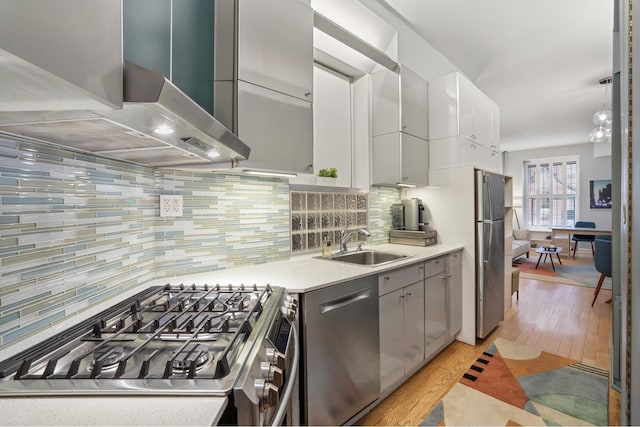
392	280
434	266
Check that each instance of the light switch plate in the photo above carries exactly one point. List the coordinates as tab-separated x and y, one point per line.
170	205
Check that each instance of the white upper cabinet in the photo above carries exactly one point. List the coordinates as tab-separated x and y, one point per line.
263	80
458	151
399	123
275	46
495	126
458	108
400	158
399	103
413	108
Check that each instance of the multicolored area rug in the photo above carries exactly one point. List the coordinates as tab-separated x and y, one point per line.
511	384
570	272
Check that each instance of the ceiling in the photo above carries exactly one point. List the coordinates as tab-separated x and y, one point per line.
540	60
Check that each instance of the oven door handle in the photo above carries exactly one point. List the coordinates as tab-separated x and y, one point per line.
286	396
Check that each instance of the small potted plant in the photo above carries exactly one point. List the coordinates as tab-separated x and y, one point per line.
328	173
327	176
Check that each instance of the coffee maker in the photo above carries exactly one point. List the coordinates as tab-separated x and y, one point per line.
408	224
407	215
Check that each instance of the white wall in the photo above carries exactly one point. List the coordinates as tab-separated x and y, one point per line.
450	209
590	168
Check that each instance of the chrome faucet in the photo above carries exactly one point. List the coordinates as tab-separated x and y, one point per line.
345	235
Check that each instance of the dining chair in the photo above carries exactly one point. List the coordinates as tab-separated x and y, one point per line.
602	259
583	237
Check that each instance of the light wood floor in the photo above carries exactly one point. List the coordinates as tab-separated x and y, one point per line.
556	318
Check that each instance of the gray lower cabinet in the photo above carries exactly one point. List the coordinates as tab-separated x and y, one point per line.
401	305
420	313
435	308
454	292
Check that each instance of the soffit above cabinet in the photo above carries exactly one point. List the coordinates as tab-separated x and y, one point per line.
361	22
338	48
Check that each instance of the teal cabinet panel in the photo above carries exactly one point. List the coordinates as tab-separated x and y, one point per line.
193	50
174	38
147	34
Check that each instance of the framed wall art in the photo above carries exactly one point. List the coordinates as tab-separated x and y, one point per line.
600	194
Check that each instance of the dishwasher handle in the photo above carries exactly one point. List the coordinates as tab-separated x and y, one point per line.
344	301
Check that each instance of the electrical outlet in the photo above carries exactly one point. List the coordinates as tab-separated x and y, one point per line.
170	205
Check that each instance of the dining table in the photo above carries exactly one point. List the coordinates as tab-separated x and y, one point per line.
561	236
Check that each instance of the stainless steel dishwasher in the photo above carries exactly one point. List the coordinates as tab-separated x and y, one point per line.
341	348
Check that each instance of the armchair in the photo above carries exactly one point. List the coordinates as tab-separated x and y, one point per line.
602	261
521	243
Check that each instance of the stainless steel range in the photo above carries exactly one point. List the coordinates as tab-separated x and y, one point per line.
234	342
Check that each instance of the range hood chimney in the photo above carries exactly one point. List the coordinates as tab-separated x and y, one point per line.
69	86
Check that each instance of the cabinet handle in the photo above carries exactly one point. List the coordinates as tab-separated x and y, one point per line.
421	267
408	294
307	94
387	277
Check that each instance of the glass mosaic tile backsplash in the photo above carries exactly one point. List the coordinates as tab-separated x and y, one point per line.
76	229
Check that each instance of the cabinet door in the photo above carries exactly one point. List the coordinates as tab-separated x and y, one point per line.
413	100
443	107
392	355
174	39
435	314
494	161
469	153
413	326
385	102
482	132
277	127
275	45
146	26
466	95
386	158
192	50
495	127
415	160
454	293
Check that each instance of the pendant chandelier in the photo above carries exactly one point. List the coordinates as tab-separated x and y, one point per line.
602	118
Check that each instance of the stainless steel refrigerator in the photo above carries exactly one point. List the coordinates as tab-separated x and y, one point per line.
489	251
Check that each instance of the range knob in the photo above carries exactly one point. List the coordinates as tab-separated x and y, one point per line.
275	358
272	373
267	393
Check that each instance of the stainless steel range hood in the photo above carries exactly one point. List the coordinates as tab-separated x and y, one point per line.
61	98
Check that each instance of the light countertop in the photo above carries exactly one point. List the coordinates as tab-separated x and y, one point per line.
298	274
305	273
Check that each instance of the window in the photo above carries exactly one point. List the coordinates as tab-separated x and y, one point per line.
551	192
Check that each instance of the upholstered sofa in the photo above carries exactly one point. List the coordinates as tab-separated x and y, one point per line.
521	243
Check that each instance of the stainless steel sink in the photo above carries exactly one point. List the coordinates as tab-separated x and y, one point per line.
372	258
